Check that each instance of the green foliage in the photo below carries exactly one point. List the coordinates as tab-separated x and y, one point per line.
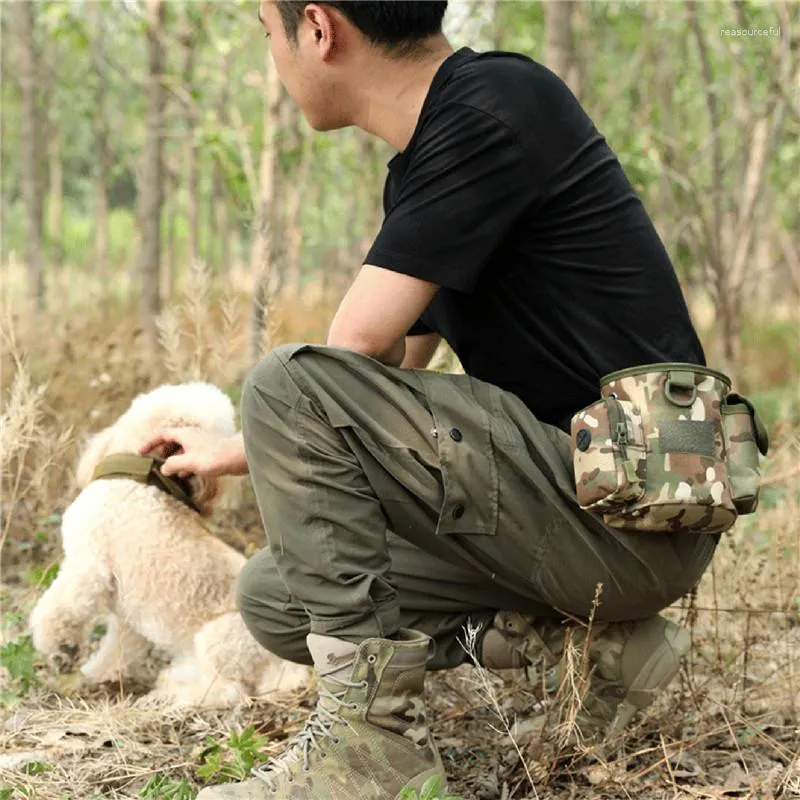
77	240
643	85
233	759
431	790
160	787
41	576
770	374
18	658
779	406
121	235
36	768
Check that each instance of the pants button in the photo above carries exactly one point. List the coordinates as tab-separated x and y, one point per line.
456	435
458	511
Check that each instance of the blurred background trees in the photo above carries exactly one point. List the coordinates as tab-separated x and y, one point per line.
141	135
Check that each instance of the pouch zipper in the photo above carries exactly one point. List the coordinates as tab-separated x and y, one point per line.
619	434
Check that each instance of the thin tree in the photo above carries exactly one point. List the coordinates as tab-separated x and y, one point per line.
102	156
23	16
264	244
559	42
150	195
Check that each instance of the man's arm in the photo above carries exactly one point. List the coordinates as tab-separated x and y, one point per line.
420	350
377	312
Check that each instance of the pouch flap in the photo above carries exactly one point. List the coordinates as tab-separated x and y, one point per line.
762	437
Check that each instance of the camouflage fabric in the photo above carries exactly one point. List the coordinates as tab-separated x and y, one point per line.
368	736
745	437
629	663
609	454
514	640
678	482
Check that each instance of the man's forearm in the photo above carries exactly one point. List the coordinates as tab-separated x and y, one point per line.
231	458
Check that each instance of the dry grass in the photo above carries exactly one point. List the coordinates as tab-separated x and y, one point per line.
727	728
101	746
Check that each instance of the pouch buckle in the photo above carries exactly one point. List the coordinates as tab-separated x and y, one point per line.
680	380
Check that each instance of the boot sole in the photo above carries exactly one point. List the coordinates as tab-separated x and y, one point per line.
662	666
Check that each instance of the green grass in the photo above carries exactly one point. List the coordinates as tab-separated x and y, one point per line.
19	659
160	787
431	790
233	759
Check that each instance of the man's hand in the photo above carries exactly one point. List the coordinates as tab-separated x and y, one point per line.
199	453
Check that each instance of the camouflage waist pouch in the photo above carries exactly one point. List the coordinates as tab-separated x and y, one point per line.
668	448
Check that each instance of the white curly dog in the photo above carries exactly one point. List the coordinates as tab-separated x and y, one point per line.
147	561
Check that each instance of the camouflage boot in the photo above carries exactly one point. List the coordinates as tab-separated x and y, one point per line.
368	736
630	663
518	641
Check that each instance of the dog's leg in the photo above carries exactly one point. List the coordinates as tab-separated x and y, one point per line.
234	667
185	683
122	647
278	675
58	621
214	676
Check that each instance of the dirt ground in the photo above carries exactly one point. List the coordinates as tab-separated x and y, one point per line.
727	727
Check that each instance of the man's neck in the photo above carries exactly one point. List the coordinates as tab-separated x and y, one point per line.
389	103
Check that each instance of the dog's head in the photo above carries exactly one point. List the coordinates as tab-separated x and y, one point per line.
195	405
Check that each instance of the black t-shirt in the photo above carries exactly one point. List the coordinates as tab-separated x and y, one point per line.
552	273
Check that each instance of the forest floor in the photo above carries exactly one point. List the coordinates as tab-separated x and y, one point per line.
728	726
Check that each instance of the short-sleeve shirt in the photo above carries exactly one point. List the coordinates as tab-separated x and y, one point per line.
551	272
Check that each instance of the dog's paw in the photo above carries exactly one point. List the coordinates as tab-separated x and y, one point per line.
64	659
157	698
96	676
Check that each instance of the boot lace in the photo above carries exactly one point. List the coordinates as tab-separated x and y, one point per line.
317	729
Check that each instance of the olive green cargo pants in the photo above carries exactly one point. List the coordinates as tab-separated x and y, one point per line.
406	498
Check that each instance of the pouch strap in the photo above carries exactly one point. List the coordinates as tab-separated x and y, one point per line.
762	437
146	470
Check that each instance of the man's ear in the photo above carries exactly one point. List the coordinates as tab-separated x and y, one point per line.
93	452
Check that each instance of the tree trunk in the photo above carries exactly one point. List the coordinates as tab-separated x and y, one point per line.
221	241
294	228
56	192
3	195
373	201
218	231
151	189
30	148
167	278
262	251
189	42
559	53
211	232
102	156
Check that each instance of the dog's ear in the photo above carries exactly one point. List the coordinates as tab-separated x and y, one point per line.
231	492
94	450
212	494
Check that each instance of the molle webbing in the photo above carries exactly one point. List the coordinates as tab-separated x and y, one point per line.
147	470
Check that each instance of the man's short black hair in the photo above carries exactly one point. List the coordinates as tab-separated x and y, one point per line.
399	26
